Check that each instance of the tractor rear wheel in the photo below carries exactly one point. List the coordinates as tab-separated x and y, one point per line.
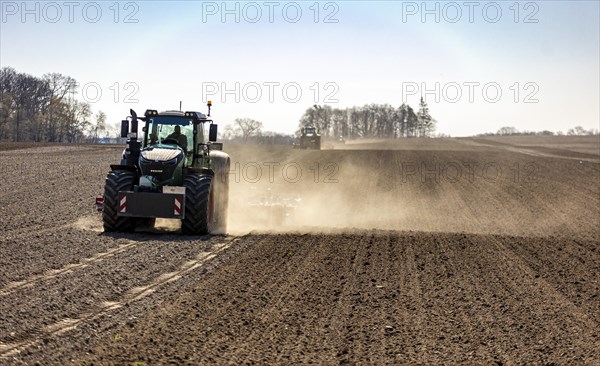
117	180
198	204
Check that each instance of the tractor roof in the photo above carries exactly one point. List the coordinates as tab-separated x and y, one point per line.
197	116
171	113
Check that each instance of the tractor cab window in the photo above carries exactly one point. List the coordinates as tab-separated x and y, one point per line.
309	130
171	130
203	133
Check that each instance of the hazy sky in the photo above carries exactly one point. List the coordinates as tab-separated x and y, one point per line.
480	65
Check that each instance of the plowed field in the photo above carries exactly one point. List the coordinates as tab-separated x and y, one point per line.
451	251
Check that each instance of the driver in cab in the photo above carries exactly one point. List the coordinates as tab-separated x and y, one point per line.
179	137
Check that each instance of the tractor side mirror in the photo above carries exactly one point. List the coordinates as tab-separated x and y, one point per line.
124	128
212	133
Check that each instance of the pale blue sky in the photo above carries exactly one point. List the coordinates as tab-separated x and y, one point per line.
370	54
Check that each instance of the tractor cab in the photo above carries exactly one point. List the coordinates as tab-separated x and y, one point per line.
172	141
310	131
172	130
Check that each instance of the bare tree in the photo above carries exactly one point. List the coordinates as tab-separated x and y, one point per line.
60	86
507	131
40	109
99	126
248	127
579	131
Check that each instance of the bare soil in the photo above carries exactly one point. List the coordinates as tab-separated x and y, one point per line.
453	251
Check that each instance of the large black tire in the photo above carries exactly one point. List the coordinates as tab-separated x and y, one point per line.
117	180
197	204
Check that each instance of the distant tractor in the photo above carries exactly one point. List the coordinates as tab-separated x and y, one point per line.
310	138
176	171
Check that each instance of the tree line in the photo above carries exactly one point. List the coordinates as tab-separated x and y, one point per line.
44	109
512	131
371	121
248	130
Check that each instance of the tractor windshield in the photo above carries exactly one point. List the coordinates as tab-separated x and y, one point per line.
310	130
170	130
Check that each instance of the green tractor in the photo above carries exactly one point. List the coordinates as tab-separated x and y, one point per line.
310	138
176	171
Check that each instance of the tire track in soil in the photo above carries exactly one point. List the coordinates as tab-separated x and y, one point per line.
133	294
15	285
50	250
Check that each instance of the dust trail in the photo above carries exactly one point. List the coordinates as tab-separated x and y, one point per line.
167	225
89	223
421	190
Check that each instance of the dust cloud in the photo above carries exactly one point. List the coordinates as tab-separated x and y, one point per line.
445	188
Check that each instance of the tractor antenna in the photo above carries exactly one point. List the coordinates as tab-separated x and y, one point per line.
209	104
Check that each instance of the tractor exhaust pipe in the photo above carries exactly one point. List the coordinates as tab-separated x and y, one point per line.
133	146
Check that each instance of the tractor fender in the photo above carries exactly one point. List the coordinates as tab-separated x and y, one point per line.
220	163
